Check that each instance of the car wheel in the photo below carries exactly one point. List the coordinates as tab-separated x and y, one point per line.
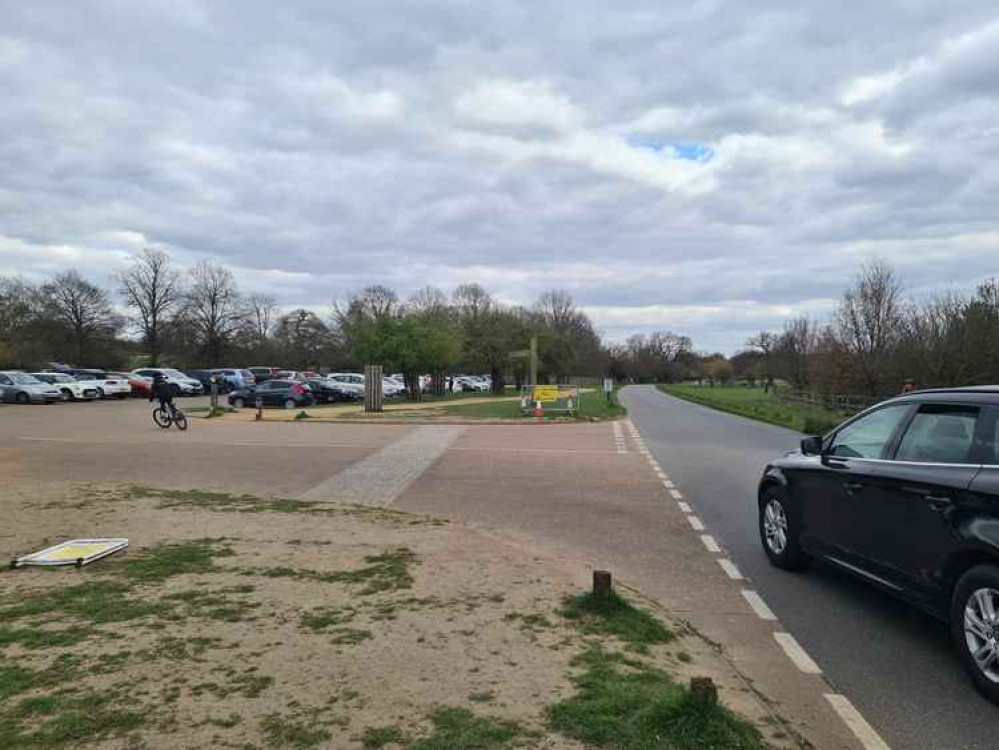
238	403
121	396
974	621
67	394
22	398
100	393
290	403
779	531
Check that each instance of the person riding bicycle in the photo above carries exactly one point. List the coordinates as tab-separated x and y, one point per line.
161	390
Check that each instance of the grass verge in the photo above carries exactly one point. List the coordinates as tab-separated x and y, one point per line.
616	616
592	405
755	404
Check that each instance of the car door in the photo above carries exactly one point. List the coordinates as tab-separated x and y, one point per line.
850	468
909	516
278	392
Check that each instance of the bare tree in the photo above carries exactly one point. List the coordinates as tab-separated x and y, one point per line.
82	309
152	288
869	324
261	316
558	309
429	302
472	301
212	307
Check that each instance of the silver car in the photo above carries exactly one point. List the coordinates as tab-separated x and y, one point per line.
25	389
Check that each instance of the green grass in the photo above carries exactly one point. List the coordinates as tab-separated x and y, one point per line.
593	405
755	404
460	729
621	704
67	718
616	616
375	738
283	732
386	572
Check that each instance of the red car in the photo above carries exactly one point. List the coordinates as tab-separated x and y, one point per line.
141	387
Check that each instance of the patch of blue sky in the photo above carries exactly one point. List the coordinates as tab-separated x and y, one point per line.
689	151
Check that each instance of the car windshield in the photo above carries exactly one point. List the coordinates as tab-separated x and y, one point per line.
174	373
24	379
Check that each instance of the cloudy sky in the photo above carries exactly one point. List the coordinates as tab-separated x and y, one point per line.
707	167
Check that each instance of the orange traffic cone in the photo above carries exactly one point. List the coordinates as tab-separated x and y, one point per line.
538	411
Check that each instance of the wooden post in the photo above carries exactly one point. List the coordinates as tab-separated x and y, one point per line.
373	388
704	691
602	585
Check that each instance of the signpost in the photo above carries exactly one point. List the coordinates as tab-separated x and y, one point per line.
608	388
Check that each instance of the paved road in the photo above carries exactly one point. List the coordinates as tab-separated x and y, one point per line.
894	663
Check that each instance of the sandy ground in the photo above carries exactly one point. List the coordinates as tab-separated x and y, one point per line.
253	668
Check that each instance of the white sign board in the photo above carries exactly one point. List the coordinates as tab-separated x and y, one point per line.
608	385
74	552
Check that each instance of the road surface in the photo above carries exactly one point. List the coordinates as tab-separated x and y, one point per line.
894	663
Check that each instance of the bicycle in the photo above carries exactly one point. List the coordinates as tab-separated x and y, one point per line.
172	415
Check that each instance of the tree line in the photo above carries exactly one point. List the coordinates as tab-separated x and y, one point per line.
157	314
879	338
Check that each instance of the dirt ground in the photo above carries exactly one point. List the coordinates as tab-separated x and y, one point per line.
236	621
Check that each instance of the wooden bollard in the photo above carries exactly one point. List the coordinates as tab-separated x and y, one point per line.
704	691
602	585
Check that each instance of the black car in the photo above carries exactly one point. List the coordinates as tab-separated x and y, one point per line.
328	391
284	393
906	496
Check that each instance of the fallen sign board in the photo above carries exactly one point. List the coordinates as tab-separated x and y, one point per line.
78	552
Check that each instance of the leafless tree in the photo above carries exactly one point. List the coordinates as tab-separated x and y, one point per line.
261	317
154	290
472	301
213	308
82	309
558	309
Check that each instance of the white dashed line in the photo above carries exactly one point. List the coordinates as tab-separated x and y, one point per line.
857	723
695	522
684	507
759	606
730	570
655	465
677	495
662	474
710	544
797	654
668	484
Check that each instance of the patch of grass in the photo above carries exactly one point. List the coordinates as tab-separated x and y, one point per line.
15	679
486	696
460	729
684	657
753	403
351	636
95	601
69	717
168	560
639	706
36	638
284	732
323	618
303	415
615	615
386	572
530	622
375	738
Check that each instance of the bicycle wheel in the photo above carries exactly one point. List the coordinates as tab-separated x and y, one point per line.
180	419
162	418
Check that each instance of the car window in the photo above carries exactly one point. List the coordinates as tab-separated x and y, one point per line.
23	379
4	380
939	434
868	436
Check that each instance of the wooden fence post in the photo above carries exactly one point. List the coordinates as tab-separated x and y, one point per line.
373	388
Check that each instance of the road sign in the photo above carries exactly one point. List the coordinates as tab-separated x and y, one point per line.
74	552
608	385
545	393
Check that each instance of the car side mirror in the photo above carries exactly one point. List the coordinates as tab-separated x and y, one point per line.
811	446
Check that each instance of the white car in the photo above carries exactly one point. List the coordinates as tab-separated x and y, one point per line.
180	384
70	388
107	384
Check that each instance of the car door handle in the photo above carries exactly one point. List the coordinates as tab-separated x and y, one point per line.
938	502
852	487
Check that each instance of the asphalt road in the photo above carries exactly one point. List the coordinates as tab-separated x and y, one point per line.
893	662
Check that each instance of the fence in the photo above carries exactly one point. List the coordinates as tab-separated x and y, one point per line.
551	398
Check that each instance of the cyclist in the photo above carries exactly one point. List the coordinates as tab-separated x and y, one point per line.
162	391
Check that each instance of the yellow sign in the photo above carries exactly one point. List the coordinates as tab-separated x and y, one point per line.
73	552
545	393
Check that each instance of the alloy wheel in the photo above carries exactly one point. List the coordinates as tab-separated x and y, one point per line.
775	526
981	629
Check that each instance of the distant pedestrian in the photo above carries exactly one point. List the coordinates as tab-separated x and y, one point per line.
450	384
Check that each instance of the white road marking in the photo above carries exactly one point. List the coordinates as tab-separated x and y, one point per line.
661	474
857	723
758	605
655	464
684	507
730	570
677	495
695	522
797	654
710	544
668	484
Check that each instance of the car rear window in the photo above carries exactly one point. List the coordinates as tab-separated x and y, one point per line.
939	433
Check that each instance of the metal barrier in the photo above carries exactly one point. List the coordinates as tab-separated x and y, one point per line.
541	399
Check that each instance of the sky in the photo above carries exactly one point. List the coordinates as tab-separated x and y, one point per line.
711	168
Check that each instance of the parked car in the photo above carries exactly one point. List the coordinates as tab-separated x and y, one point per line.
141	386
22	388
326	391
180	384
70	388
107	383
204	377
261	374
236	379
906	497
285	393
352	382
464	383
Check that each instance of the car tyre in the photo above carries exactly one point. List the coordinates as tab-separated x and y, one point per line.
289	403
67	394
975	592
780	531
238	403
121	396
22	398
100	393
